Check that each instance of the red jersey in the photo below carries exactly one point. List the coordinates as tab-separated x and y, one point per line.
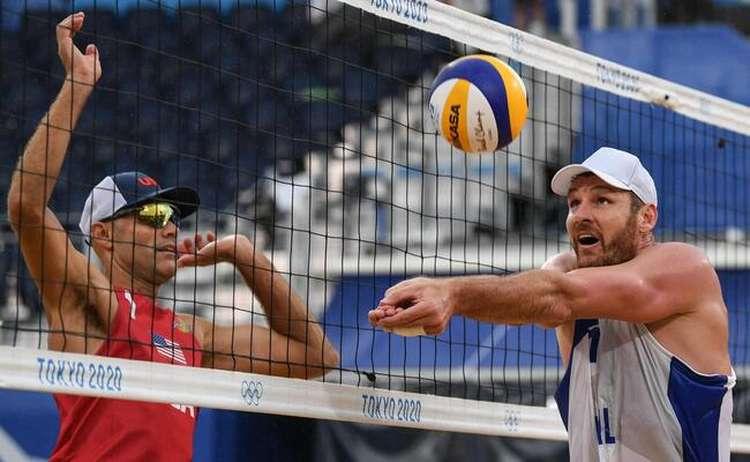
96	429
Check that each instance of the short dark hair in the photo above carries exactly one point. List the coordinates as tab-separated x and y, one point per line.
635	203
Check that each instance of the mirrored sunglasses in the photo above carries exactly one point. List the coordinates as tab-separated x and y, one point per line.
158	214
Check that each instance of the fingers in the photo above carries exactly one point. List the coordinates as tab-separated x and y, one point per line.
374	316
201	242
405	292
68	27
185	246
422	315
404	297
207	250
401	285
380	312
203	257
408	317
186	260
429	317
91	50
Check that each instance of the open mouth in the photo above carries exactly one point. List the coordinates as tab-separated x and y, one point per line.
587	240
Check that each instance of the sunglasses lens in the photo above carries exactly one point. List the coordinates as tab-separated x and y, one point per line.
158	214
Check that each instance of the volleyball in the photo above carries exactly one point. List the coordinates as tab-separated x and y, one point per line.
478	103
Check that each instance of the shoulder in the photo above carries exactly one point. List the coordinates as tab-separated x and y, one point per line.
677	258
682	269
680	250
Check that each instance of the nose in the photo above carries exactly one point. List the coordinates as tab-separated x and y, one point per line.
582	212
169	231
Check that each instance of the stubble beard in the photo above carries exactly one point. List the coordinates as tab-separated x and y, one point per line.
620	248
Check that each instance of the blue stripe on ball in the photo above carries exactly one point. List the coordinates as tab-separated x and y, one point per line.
485	77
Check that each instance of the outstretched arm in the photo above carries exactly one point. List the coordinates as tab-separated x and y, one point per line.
294	346
663	281
59	270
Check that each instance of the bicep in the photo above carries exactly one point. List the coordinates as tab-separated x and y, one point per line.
636	291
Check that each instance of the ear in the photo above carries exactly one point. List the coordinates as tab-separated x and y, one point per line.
648	217
101	235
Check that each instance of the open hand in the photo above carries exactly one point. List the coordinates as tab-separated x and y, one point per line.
80	68
200	251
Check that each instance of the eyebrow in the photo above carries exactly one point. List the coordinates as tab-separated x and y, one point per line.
605	188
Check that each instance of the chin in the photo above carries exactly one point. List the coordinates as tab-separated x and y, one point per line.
590	261
167	272
163	272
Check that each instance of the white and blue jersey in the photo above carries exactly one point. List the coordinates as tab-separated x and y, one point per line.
625	397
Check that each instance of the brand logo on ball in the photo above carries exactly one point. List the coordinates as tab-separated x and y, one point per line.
453	124
252	391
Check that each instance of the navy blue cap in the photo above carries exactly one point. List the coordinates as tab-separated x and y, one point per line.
129	190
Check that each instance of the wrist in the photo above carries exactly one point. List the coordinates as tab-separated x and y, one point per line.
242	252
79	90
453	294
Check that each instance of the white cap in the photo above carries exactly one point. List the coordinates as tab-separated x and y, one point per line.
103	201
617	168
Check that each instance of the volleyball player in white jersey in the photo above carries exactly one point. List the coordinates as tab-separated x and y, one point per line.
642	326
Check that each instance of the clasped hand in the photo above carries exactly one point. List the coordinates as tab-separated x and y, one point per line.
420	302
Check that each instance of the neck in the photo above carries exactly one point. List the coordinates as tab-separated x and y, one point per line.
121	278
135	286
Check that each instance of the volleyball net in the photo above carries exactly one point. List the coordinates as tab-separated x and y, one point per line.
305	126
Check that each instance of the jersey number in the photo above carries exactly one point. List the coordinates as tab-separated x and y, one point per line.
603	432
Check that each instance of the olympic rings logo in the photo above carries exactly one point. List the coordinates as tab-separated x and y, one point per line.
252	392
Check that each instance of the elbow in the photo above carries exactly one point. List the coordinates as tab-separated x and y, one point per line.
331	357
14	208
18	212
319	365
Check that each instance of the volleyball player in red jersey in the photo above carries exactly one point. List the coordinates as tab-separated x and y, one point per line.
131	224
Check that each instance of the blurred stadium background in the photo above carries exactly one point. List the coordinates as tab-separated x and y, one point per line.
303	125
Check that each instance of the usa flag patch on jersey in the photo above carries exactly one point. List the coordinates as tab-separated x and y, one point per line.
169	349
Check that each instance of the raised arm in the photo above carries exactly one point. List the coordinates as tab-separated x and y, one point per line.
38	169
663	281
59	270
294	346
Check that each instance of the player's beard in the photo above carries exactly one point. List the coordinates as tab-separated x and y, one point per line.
622	247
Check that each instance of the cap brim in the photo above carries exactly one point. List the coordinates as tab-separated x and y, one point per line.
564	177
185	199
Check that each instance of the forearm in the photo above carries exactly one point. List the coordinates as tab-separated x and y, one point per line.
537	296
38	169
287	314
251	348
